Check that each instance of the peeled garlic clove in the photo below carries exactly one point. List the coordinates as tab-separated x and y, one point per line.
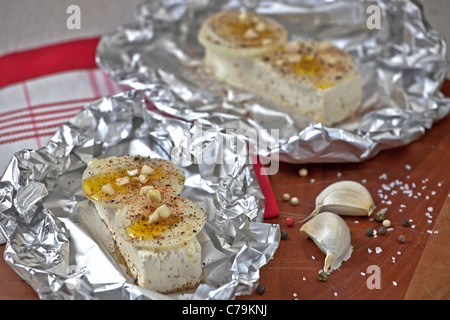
347	198
332	235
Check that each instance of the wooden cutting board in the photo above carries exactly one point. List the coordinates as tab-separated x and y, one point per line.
431	280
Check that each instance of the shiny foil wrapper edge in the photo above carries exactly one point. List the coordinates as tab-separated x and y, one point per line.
45	215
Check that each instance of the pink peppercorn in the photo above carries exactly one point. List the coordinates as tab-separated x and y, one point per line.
289	222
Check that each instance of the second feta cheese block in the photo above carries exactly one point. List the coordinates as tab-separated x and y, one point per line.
154	228
249	51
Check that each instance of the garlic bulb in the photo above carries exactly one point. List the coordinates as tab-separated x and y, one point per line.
346	197
332	235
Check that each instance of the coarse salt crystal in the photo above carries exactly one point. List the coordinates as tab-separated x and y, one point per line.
430	209
363	274
407	167
369	250
383	176
312	257
394	283
378	250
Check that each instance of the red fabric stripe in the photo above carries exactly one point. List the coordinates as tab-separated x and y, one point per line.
26	65
30	109
30	136
57	104
270	203
94	83
46	113
26	122
36	129
109	84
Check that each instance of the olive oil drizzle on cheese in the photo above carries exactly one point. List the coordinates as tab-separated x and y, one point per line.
92	186
141	229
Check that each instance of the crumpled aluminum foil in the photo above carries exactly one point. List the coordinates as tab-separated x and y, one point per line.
402	65
46	218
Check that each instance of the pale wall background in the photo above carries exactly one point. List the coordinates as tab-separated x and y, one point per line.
25	24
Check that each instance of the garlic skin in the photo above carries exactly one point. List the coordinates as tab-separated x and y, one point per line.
348	198
332	235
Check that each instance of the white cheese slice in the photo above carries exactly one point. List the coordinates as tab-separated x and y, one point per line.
166	177
313	78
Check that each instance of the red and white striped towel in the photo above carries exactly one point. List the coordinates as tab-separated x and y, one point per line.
43	88
31	111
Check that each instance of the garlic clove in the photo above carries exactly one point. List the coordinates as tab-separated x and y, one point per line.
332	235
346	197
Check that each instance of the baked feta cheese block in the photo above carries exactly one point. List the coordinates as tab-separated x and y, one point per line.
154	228
313	78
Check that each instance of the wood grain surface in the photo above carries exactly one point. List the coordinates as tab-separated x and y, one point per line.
411	182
